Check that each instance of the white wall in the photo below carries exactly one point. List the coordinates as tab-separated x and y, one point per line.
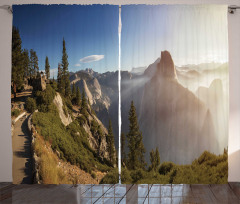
5	77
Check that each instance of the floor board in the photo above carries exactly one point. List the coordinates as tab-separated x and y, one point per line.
203	193
224	193
235	188
120	193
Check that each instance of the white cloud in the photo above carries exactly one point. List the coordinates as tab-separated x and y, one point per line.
91	58
77	65
53	72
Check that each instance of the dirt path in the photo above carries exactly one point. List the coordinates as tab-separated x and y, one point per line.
22	156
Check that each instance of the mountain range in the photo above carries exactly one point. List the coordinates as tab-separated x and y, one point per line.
175	109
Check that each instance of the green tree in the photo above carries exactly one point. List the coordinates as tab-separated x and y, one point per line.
17	61
67	87
155	160
123	153
45	98
84	105
65	73
31	63
34	69
60	80
47	68
78	97
73	91
53	83
142	151
110	143
135	144
31	105
26	63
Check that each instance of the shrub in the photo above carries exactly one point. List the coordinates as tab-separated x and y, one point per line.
166	167
31	105
93	175
82	120
45	98
137	175
94	126
206	156
125	176
53	84
15	112
173	174
65	110
110	178
68	103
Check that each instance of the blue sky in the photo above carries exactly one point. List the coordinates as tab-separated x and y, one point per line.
192	34
90	32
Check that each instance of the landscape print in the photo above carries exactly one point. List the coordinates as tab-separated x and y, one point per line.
174	94
64	102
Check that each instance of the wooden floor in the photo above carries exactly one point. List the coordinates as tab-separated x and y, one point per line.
181	193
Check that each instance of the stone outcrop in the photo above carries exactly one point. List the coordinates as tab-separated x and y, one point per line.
94	137
39	83
102	92
66	119
173	119
166	67
35	158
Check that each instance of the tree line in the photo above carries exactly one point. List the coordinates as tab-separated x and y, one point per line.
25	66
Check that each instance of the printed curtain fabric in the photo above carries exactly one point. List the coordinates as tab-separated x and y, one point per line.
138	93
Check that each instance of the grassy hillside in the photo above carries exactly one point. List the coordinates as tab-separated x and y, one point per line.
68	143
207	169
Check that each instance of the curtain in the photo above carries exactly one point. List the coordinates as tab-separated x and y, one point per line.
102	93
175	93
64	78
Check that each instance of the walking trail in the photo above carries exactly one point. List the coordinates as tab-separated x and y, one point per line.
22	155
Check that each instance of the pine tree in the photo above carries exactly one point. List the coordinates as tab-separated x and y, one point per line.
47	68
17	61
152	160
155	160
110	142
157	157
135	144
35	62
67	86
26	63
142	151
65	73
31	63
123	153
73	95
78	96
34	69
60	80
84	105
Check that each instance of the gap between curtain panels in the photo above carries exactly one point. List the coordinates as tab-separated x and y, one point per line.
119	94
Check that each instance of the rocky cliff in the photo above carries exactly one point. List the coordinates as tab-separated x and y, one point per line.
217	103
97	141
173	119
65	118
102	92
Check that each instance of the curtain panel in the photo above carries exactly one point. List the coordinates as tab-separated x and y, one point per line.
108	94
